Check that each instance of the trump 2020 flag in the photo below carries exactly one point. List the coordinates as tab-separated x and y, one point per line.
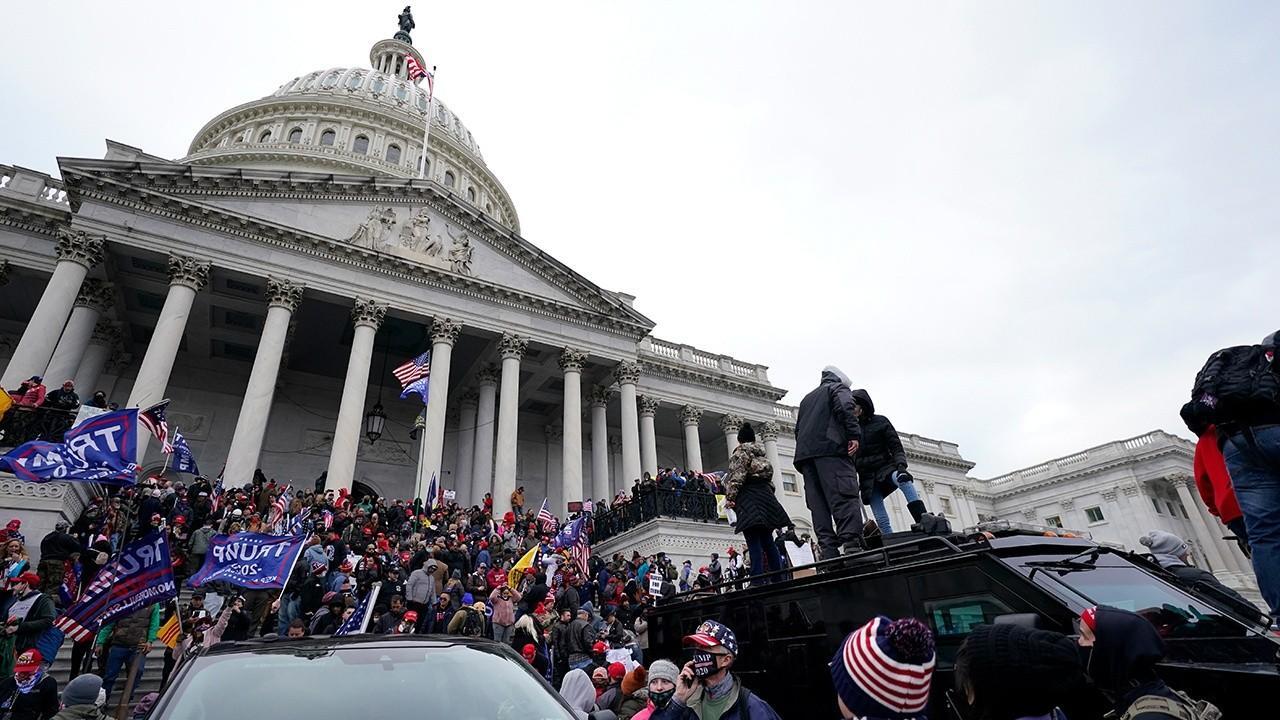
140	576
102	449
183	460
249	560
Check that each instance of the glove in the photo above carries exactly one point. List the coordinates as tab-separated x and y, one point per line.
904	477
902	467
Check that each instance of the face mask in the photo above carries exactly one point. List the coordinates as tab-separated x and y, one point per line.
662	699
704	664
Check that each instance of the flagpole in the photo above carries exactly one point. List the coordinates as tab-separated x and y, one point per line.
426	131
372	601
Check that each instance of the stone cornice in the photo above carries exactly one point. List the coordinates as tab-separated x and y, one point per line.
117	183
660	368
1001	493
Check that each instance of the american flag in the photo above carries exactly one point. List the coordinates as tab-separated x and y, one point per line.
574	537
414	370
216	500
327	517
299	522
416	71
153	419
279	506
359	620
545	518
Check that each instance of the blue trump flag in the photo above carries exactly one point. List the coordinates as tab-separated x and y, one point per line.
249	560
417	386
140	576
103	448
183	460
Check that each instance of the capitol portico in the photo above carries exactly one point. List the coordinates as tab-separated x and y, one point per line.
270	281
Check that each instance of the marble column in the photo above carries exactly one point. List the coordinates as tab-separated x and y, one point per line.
283	297
91	303
467	449
599	443
102	344
366	315
571	490
187	276
1122	519
690	416
648	436
628	374
769	434
1183	484
512	348
77	252
444	333
486	412
1232	558
618	484
729	424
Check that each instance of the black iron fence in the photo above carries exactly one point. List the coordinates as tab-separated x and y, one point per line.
652	503
24	423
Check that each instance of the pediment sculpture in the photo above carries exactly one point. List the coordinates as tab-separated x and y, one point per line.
444	249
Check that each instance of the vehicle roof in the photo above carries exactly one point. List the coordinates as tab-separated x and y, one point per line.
330	642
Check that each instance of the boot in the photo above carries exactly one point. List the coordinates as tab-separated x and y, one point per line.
871	535
916	508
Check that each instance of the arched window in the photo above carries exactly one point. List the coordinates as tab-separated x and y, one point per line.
471	195
327	137
488	208
330	81
265	136
402	92
449	179
295	135
378	84
361	145
393	154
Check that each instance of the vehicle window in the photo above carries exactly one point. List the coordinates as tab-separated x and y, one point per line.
960	615
458	683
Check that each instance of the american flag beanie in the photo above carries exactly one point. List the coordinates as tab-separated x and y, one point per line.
883	669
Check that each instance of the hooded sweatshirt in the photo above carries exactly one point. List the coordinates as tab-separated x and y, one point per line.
579	692
1122	660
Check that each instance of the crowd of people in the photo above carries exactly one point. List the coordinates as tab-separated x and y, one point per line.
33	412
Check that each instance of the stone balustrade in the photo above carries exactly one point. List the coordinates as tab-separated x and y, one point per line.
32	184
691	356
1152	441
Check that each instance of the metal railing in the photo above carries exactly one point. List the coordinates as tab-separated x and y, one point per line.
650	504
23	423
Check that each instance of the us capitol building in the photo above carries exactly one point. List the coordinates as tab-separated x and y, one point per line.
271	280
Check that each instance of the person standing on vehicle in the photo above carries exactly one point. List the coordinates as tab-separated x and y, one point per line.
707	689
750	494
1123	649
883	670
882	464
1172	554
827	438
1011	672
1212	479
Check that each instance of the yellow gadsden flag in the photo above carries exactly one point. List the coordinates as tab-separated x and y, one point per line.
517	570
6	402
169	632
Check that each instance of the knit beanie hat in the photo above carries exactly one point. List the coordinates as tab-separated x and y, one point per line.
636	679
1015	671
746	433
1167	548
664	670
883	669
82	691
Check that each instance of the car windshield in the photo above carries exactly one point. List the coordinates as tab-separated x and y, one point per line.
457	682
1113	581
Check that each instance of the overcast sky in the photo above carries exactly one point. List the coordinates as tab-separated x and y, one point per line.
1022	226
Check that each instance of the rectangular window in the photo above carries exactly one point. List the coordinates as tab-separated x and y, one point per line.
1172	511
955	617
1094	514
789	482
1053	521
236	318
946	506
1155	502
1183	509
243	287
151	266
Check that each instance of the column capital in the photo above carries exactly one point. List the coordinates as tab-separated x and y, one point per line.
284	293
445	330
627	372
599	396
469	397
106	332
572	360
769	430
187	271
730	423
95	295
4	271
1180	481
690	415
79	246
368	312
487	375
1131	490
1067	504
928	485
1110	495
512	346
648	405
1029	514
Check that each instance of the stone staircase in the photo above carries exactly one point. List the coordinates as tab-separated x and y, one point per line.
147	681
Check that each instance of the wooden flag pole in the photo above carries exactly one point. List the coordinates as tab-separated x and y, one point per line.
122	708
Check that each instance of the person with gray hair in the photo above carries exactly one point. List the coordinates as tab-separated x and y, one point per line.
827	437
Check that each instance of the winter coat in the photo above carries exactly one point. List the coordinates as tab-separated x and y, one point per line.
32	395
1212	479
504	611
1123	658
757	708
39	704
825	423
1194	577
880	450
421	587
633	704
750	488
38	619
83	712
200	540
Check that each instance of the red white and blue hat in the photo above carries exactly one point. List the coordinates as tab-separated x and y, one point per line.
883	669
711	633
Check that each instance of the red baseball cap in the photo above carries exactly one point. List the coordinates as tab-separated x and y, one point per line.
411	616
29	661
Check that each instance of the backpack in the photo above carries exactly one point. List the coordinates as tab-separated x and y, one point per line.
1235	383
472	624
1183	709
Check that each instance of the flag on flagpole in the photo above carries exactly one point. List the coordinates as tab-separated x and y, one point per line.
279	506
545	518
414	376
417	71
327	517
217	494
517	570
574	538
299	523
170	631
183	459
359	620
154	419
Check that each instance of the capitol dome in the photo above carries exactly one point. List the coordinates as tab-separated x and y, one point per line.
356	121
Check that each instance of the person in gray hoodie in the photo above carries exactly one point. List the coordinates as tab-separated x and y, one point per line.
420	593
1172	554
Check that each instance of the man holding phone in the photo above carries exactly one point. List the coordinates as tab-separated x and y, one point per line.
707	690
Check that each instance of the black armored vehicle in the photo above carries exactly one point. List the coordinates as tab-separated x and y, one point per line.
1217	648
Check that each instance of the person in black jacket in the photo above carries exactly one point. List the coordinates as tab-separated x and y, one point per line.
827	438
882	463
30	693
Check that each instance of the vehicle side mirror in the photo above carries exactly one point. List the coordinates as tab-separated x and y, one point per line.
602	715
1026	620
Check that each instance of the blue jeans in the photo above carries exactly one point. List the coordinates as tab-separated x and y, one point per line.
760	547
1255	474
909	493
119	658
289	607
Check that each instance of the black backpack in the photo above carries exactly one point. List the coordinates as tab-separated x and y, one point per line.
472	623
1234	384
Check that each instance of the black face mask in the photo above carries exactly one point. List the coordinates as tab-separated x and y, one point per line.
704	664
661	699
